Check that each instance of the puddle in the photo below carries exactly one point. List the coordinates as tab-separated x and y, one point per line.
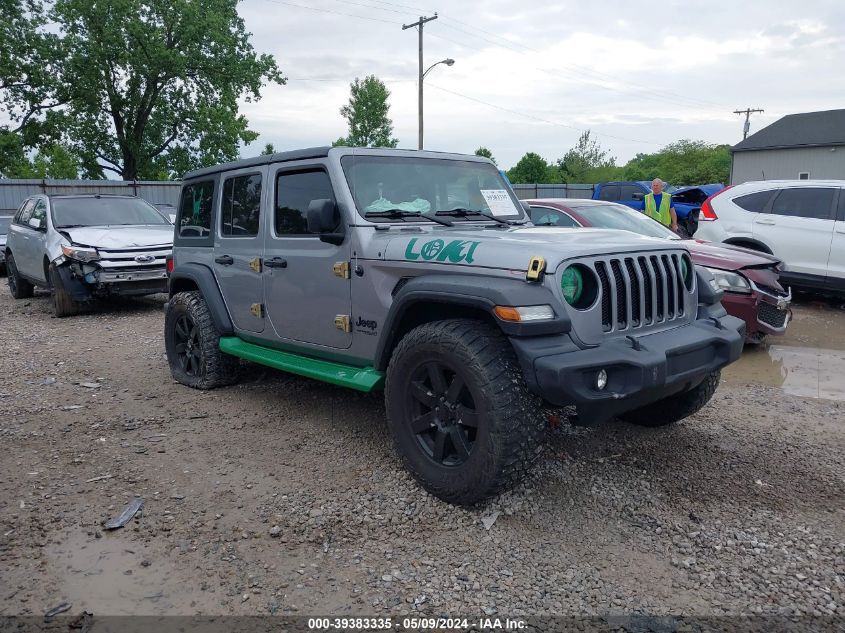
95	576
799	371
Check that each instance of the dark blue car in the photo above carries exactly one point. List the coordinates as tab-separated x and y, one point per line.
687	201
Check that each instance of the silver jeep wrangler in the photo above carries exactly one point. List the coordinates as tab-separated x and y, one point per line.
419	273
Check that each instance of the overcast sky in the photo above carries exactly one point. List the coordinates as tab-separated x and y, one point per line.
530	75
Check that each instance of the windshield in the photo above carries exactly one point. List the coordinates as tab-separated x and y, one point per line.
607	216
4	224
425	186
104	211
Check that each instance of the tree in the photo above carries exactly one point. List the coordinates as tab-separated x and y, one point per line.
51	161
366	115
531	168
486	153
684	162
152	86
587	156
268	150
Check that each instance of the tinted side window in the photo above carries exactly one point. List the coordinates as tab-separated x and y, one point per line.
241	206
25	213
39	212
841	216
294	192
754	202
809	202
627	192
609	193
542	216
195	209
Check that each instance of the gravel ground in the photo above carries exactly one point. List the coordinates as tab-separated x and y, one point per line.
281	495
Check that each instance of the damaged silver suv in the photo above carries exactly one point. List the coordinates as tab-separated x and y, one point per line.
85	247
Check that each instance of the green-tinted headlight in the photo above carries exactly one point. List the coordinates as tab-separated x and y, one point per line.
686	273
572	285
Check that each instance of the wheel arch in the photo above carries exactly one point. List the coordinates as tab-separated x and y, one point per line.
438	297
198	277
749	242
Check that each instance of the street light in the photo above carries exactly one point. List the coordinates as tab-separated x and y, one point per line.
449	62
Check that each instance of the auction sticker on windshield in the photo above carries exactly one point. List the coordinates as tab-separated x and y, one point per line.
499	201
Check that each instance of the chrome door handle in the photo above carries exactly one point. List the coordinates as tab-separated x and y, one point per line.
224	260
276	262
769	222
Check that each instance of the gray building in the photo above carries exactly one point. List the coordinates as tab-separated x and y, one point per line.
808	146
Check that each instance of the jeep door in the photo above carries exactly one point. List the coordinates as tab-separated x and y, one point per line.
307	298
238	244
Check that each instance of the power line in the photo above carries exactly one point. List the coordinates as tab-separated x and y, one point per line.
321	10
540	119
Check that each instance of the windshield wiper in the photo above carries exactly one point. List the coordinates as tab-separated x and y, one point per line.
464	213
400	214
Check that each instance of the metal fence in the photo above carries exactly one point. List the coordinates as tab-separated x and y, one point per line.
13	192
527	192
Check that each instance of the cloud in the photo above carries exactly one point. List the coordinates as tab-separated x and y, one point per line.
529	76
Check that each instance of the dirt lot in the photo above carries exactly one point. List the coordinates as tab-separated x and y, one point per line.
281	495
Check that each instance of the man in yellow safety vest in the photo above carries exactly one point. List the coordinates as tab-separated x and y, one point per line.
658	206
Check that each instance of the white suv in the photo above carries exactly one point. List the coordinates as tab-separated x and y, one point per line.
802	222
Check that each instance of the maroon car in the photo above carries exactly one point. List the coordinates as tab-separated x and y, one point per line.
749	278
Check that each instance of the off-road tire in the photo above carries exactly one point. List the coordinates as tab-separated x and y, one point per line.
510	426
63	304
18	286
210	368
674	408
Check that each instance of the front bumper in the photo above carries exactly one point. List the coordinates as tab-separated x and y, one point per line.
85	284
640	370
764	314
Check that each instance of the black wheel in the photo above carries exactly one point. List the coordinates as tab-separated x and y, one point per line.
63	304
459	412
18	286
193	344
674	408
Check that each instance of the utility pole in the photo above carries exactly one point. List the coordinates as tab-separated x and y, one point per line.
747	125
419	24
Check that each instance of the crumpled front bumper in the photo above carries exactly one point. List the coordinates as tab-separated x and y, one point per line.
640	370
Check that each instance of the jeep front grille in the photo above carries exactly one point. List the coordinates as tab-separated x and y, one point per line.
640	291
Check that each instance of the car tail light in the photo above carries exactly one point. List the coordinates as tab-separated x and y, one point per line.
169	264
707	213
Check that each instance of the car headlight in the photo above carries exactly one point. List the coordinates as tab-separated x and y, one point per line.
572	284
730	282
80	254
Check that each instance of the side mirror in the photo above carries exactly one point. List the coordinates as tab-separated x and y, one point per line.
322	218
638	195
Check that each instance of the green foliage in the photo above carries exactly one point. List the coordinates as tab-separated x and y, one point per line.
152	86
585	161
28	57
268	150
531	168
52	161
486	153
366	115
684	162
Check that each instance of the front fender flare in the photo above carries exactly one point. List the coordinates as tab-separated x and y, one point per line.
473	291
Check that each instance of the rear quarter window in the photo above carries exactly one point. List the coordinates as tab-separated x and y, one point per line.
195	207
754	202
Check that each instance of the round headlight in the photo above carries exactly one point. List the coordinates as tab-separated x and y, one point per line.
572	285
687	271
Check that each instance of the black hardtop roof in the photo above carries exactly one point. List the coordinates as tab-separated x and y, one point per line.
318	152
